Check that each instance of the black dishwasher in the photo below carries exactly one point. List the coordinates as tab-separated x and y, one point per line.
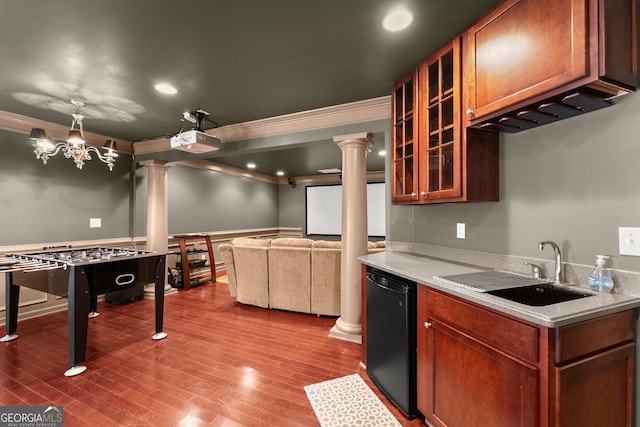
391	337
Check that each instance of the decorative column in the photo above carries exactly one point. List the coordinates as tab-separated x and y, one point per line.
157	210
354	234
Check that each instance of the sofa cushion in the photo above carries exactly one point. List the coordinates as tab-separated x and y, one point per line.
290	274
291	242
243	241
226	252
327	244
252	274
374	247
325	277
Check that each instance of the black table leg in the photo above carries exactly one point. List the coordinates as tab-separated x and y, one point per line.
78	319
93	307
159	298
12	295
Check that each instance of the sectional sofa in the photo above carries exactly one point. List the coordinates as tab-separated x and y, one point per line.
294	274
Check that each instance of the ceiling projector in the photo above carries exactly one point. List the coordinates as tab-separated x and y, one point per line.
195	141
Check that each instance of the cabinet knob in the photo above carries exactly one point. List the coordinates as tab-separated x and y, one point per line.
423	193
413	195
427	325
469	112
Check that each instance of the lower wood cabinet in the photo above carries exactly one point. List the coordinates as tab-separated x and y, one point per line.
477	367
495	390
597	390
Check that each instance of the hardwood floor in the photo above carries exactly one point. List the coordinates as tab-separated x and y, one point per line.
223	364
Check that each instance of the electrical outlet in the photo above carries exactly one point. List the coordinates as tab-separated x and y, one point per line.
460	230
95	222
629	241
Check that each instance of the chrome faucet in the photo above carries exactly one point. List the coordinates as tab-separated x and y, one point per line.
558	255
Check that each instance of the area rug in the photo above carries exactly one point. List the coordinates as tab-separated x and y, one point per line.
348	401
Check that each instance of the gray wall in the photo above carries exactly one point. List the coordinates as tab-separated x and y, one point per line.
292	206
139	193
202	200
574	182
54	202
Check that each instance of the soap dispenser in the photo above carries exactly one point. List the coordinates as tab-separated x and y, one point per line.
600	279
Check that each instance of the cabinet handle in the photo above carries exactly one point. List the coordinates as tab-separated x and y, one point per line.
469	112
427	325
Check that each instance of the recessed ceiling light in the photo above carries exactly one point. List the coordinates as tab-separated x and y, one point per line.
382	153
251	165
165	88
280	173
397	20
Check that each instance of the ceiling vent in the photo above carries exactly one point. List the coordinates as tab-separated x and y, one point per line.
330	170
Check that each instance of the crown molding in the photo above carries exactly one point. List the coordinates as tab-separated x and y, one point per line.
23	124
228	170
337	115
331	178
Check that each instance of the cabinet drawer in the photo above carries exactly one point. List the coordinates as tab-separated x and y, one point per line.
503	333
587	337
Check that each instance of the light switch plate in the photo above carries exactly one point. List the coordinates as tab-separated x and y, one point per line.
629	240
95	222
460	230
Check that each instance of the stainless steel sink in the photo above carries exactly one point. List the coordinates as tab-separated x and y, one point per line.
539	295
515	287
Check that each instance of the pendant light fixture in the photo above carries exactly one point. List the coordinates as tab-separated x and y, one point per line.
75	148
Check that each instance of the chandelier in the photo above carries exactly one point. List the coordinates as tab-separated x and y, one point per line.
75	148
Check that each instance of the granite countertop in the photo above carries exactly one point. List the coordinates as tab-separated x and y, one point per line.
423	269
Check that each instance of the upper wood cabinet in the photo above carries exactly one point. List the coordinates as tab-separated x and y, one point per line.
435	158
523	64
526	50
439	125
404	115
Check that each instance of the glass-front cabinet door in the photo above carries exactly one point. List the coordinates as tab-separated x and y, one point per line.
435	158
405	171
440	130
